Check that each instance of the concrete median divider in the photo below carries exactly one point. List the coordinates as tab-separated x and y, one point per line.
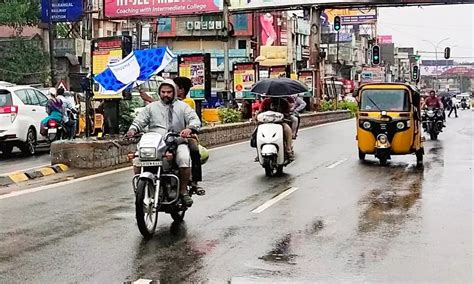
94	154
22	176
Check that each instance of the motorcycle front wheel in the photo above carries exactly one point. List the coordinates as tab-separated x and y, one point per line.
145	213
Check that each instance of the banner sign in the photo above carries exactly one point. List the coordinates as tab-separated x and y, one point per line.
306	77
384	39
153	8
245	75
196	67
61	10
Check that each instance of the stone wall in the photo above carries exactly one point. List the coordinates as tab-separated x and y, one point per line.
82	153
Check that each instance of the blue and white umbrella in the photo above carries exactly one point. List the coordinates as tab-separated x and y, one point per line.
138	67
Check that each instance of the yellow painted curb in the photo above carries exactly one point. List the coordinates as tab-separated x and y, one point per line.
63	167
18	177
47	171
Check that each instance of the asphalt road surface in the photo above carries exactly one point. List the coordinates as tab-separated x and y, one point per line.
341	220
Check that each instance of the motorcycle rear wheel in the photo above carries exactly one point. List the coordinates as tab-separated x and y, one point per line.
433	136
146	215
178	216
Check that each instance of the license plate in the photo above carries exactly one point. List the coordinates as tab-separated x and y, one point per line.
147	164
52	130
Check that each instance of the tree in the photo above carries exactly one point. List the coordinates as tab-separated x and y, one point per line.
19	13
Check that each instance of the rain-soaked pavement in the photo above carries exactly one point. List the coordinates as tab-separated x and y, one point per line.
345	221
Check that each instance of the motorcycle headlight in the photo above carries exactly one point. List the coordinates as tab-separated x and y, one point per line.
147	153
366	125
382	138
431	113
400	125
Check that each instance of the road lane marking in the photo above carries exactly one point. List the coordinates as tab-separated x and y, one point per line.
143	281
49	186
332	166
274	200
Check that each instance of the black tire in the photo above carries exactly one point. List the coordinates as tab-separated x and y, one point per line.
146	231
178	216
279	171
268	171
383	161
361	155
268	165
434	136
419	157
7	150
28	148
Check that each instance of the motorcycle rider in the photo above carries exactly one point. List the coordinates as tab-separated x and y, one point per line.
170	114
434	102
281	105
297	106
68	115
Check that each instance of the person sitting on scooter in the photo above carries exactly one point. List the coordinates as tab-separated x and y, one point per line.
170	114
281	105
54	109
297	106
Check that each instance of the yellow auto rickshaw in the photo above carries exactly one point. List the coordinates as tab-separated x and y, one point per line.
389	121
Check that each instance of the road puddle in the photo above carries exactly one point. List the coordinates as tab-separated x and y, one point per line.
281	252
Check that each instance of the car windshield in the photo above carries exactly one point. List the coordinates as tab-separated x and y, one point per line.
388	100
5	98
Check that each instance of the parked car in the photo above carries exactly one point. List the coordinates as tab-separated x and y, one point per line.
21	110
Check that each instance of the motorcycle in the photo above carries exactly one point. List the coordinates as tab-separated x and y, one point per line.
432	121
270	143
54	130
463	105
157	186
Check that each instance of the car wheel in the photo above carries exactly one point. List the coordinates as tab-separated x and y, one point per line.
29	147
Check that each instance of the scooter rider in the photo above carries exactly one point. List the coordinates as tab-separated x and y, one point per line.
170	114
281	105
297	106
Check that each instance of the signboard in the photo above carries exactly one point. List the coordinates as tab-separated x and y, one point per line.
384	39
279	71
245	75
61	10
373	75
278	4
196	67
105	51
153	8
306	77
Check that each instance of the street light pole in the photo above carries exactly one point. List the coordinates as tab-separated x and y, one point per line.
436	56
51	42
226	47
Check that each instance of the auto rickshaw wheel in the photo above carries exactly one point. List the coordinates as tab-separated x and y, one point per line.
419	157
361	155
383	161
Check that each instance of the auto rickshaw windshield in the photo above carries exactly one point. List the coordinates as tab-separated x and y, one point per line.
388	100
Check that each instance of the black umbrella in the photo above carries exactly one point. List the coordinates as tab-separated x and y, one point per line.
279	87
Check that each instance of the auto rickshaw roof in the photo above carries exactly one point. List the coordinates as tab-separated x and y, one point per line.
389	86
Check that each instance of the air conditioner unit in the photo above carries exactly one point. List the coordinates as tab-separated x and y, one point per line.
211	25
204	25
218	25
189	26
197	25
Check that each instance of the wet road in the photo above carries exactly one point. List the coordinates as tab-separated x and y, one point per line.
343	221
18	161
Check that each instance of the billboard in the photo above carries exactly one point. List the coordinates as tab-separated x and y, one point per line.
350	16
147	8
61	11
384	39
279	4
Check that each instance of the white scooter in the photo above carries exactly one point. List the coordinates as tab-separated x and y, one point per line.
270	143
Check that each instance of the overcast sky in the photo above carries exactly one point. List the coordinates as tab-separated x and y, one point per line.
410	26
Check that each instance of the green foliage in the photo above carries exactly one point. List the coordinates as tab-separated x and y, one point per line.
327	105
229	115
25	61
20	13
127	113
351	106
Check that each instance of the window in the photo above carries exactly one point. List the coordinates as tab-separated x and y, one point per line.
5	98
388	100
43	100
242	44
32	96
23	96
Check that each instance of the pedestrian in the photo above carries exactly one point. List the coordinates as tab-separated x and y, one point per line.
452	105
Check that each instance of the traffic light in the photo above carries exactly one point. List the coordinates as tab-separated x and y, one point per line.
415	73
417	57
447	53
376	55
337	23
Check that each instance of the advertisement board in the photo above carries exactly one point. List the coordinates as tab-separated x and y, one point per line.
245	75
307	78
384	39
196	67
278	4
279	71
61	10
373	75
147	8
105	51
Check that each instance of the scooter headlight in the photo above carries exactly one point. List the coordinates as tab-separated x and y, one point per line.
366	125
148	153
382	138
400	125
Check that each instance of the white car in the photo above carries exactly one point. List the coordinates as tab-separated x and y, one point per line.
463	96
21	110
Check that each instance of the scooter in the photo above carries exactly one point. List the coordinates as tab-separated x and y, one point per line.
270	143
